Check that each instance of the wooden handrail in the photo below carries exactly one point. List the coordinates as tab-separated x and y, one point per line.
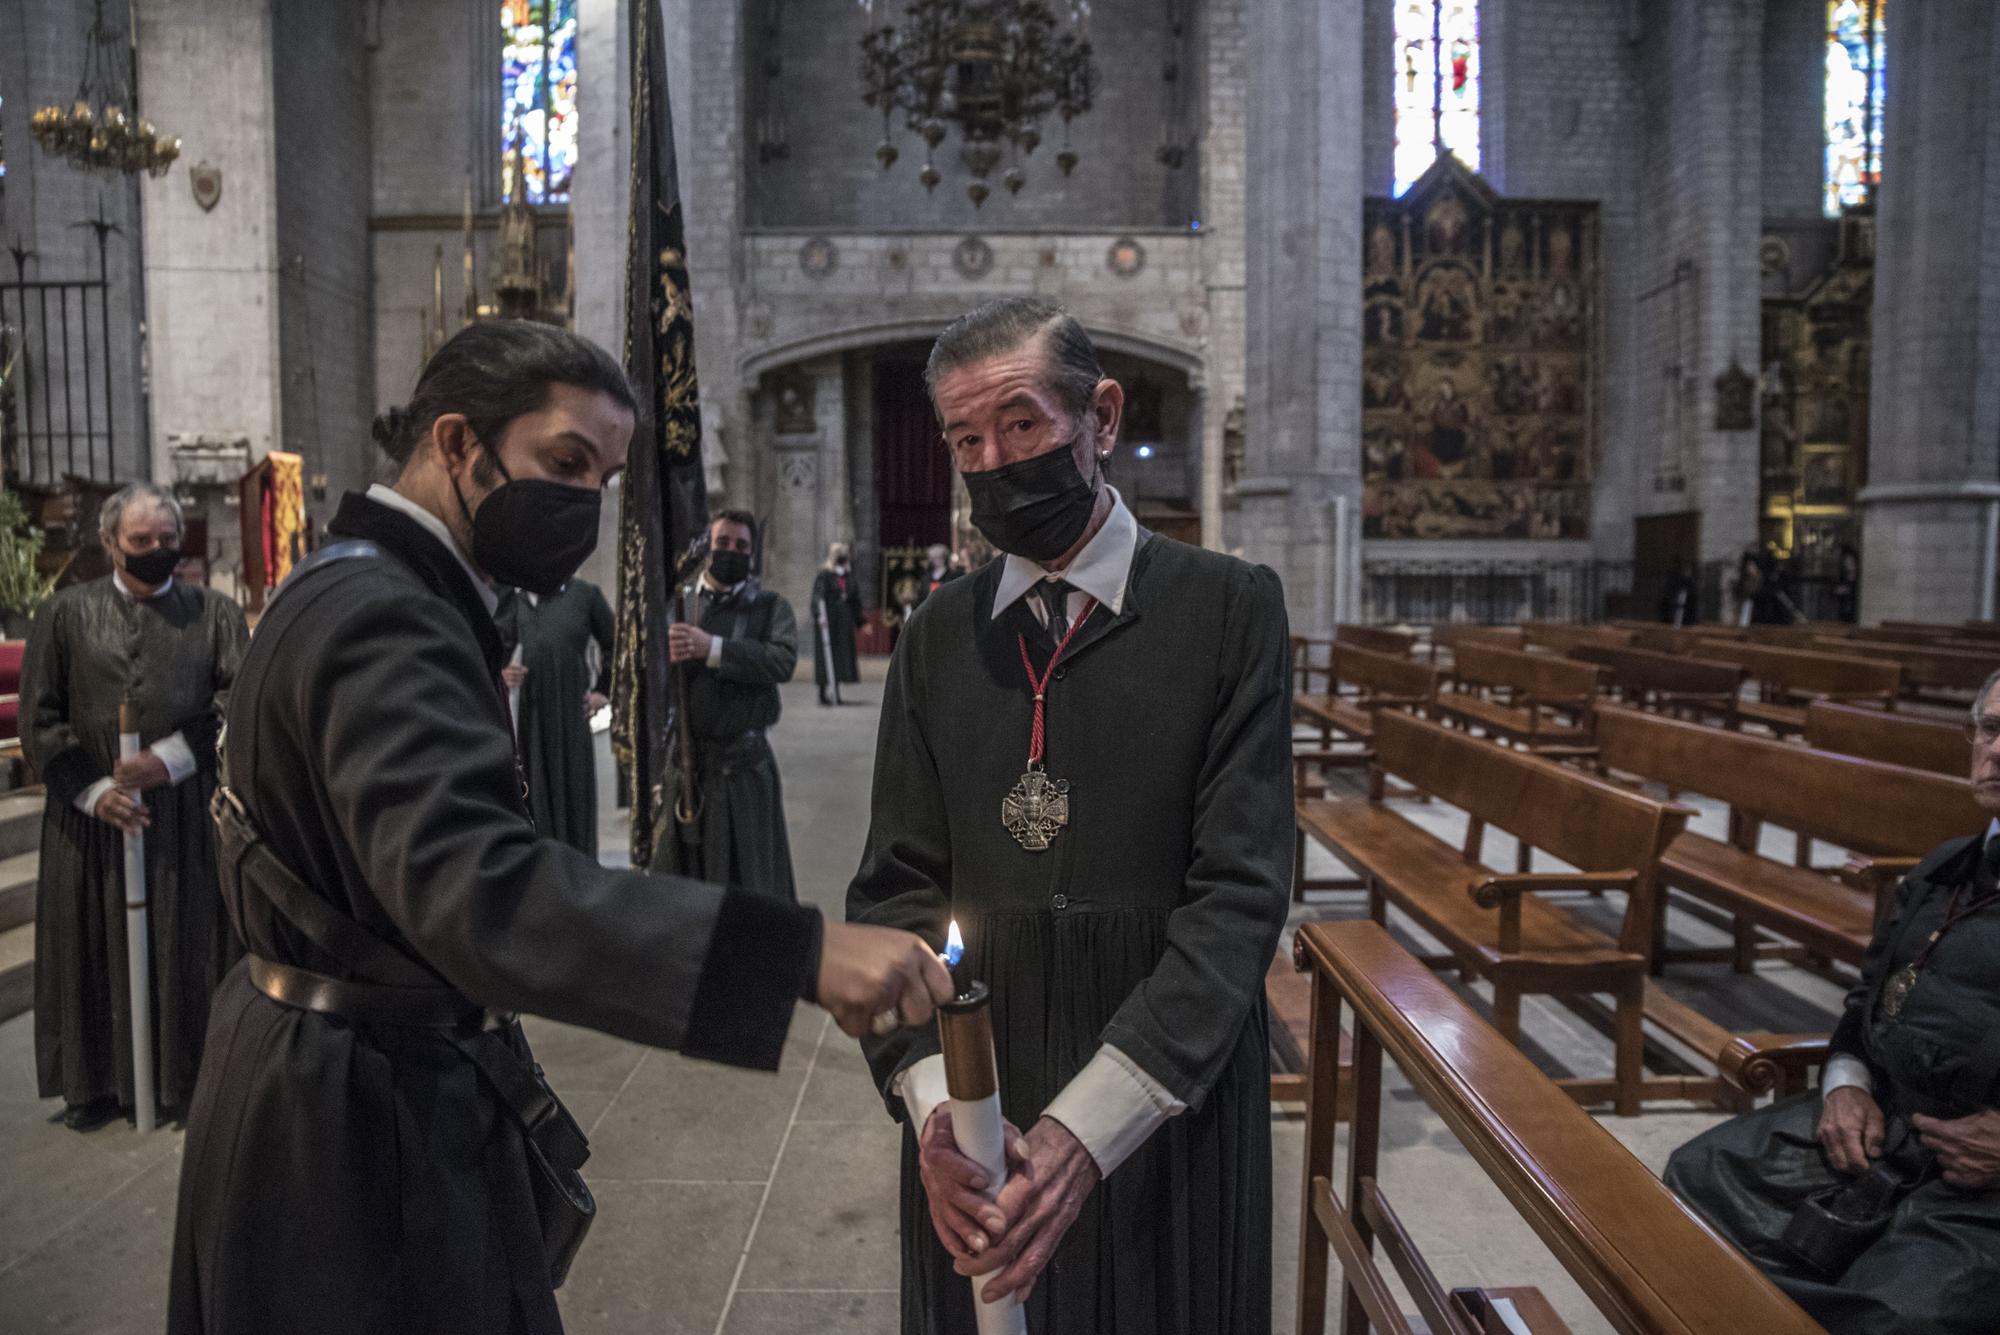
1650	1266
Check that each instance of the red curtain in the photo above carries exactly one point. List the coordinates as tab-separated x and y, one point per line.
912	467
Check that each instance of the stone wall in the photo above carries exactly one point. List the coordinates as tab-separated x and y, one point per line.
829	177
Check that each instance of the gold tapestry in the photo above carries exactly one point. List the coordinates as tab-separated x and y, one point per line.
1478	384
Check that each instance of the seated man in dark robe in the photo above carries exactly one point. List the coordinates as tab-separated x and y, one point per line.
740	642
1084	760
1913	1086
172	649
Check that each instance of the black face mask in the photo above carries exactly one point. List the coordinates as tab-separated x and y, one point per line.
729	568
154	567
1036	508
532	534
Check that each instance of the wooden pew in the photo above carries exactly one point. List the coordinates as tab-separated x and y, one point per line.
1885	816
1927	669
1400	643
1447	637
1791	677
1497	925
1679	639
1561	637
1359	682
1893	738
1671	683
1537	701
1646	1261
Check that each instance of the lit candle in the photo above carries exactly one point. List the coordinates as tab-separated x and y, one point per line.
888	1022
971	1078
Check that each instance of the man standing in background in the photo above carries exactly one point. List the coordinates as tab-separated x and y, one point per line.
740	642
836	608
555	695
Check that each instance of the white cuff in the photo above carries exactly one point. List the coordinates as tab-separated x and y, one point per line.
1112	1107
1842	1070
175	753
86	801
715	651
922	1086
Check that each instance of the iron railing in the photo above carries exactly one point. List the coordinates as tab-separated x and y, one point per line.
60	417
1490	592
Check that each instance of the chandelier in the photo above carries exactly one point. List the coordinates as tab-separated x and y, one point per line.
992	68
102	130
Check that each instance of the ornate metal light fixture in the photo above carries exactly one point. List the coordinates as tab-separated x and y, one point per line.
102	129
993	68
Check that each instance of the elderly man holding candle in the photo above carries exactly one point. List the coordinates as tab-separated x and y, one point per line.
1084	759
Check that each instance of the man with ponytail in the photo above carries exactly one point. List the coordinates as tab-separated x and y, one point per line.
370	1148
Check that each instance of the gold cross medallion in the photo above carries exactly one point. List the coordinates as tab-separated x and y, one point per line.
1036	811
1896	992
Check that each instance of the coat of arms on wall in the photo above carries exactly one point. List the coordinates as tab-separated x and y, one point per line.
205	179
1478	382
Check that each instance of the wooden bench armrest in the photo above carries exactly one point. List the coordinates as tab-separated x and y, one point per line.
1502	886
1374	702
1876	876
1504	890
1759	1063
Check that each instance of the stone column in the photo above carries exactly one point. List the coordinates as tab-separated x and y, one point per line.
599	212
1930	510
1303	306
212	283
1223	182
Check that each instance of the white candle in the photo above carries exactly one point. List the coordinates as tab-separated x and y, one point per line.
138	950
965	1032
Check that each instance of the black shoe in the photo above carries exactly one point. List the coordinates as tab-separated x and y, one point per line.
89	1116
823	700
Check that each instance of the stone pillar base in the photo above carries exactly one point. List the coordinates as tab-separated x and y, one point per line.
1929	551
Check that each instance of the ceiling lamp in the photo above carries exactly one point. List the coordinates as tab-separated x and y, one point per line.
992	68
102	130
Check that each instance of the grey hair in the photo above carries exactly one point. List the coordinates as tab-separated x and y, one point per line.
1004	324
1984	691
112	513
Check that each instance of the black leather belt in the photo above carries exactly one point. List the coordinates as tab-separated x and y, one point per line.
369	1003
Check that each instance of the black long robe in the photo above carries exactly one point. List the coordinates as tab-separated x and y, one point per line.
1147	924
177	653
837	597
552	723
1936	1270
355	1179
741	837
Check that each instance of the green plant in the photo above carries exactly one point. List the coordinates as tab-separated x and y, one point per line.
22	584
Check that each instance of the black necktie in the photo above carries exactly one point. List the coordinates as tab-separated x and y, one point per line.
1055	601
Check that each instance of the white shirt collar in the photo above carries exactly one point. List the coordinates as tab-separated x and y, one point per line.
434	526
1101	570
118	583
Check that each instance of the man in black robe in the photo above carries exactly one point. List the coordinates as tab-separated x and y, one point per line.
349	1168
938	572
1912	1084
836	610
554	694
1121	892
742	643
172	648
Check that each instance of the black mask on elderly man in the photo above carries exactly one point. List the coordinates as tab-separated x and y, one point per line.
1035	508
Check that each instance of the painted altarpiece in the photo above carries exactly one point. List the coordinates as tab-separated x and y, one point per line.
1813	424
1479	371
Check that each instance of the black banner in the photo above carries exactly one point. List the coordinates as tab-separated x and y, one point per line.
664	510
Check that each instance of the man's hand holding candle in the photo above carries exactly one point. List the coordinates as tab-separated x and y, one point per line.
966	1222
1050	1175
865	971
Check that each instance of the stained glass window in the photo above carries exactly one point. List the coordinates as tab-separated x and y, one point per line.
538	98
1437	85
1854	84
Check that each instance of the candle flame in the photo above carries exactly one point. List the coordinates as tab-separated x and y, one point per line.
954	946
